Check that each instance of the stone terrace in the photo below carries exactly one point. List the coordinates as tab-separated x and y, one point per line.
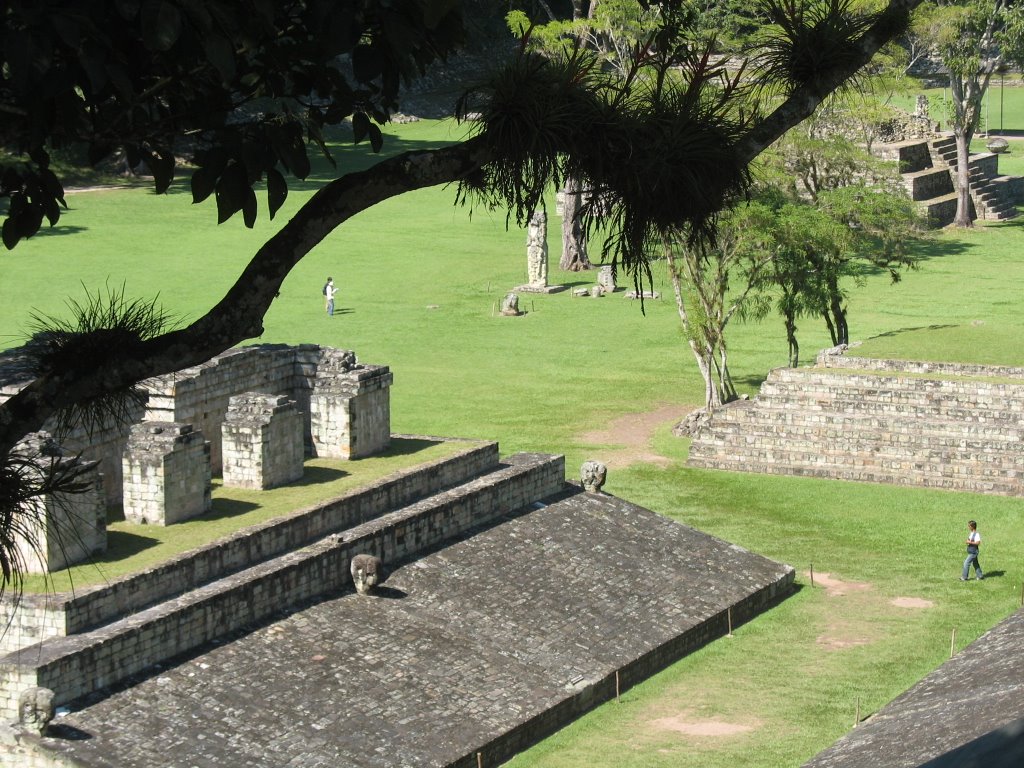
517	602
946	426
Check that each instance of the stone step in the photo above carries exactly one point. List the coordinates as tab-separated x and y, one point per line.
1011	391
864	469
77	665
948	451
37	617
903	427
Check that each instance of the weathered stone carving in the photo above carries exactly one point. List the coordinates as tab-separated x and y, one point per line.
35	709
606	279
537	250
593	474
510	305
367	573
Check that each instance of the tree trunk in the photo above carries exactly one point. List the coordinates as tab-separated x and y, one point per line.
964	205
705	358
794	347
574	240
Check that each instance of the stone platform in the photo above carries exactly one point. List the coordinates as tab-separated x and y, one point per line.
472	651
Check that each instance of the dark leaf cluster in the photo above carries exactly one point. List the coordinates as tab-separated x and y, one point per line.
102	328
243	84
656	150
804	40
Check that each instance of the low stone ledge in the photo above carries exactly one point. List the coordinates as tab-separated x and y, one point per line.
78	665
54	615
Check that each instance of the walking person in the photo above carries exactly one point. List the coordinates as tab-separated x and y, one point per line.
329	292
973	542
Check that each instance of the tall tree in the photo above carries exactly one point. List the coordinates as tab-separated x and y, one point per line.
244	83
973	39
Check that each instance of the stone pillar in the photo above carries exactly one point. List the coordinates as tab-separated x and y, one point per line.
606	279
166	470
350	410
261	441
62	529
537	251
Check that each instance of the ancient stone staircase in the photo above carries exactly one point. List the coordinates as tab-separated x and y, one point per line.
928	167
958	429
100	636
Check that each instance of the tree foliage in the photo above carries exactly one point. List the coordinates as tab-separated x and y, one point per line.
973	39
243	87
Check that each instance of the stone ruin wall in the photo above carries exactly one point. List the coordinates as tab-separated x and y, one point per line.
41	616
200	395
63	528
160	468
262	442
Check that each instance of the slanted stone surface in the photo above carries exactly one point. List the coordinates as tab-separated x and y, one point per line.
966	714
484	646
262	441
166	473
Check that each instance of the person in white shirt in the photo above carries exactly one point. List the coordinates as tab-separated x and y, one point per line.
973	542
329	291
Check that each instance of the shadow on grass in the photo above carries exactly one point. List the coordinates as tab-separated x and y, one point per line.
406	446
317	475
911	329
121	545
222	508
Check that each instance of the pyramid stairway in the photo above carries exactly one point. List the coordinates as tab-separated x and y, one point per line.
957	428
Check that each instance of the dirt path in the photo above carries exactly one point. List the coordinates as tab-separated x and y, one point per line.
629	437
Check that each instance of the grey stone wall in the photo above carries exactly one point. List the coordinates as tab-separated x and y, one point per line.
957	427
166	473
200	396
351	412
262	441
61	529
37	617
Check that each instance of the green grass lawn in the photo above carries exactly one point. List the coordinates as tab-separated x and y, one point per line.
420	281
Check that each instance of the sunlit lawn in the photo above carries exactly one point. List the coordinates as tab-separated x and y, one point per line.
419	283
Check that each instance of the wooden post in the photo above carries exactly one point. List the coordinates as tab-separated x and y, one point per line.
617	689
479	760
856	720
730	622
952	643
812	574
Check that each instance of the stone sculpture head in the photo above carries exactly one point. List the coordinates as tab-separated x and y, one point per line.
35	709
593	474
510	304
367	573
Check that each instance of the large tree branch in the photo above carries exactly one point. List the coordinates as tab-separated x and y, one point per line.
239	315
804	100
